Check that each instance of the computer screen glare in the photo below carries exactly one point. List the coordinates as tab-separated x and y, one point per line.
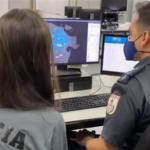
75	41
113	59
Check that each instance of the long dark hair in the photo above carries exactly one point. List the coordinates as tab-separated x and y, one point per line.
25	55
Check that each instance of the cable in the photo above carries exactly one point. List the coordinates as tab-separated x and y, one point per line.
98	88
95	92
104	84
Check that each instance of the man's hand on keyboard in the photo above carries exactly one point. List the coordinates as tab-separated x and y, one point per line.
83	136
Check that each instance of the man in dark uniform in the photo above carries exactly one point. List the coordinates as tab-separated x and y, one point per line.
128	110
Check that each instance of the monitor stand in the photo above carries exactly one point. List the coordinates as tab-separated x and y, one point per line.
91	16
74	12
63	70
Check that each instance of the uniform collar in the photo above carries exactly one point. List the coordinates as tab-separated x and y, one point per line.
143	62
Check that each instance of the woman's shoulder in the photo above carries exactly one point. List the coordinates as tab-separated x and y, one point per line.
51	115
48	117
36	127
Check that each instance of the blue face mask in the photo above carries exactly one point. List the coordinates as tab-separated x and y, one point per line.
129	50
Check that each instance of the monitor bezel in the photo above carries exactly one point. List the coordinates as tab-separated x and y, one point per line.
80	63
111	73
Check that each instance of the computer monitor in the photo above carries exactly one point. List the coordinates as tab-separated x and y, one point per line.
92	14
71	12
75	41
113	61
118	5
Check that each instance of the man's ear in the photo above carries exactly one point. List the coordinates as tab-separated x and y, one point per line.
146	38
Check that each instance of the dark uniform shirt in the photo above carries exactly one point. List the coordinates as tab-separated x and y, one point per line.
128	110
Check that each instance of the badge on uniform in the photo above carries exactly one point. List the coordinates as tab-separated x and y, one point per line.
112	104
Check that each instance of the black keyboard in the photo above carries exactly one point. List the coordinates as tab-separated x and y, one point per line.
85	102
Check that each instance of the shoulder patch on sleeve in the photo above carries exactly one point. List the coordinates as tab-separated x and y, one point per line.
112	104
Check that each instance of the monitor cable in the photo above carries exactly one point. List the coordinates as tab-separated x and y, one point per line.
98	88
101	85
104	84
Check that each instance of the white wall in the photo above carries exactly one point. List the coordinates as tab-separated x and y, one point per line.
72	2
92	4
19	4
52	6
83	3
57	6
3	7
6	5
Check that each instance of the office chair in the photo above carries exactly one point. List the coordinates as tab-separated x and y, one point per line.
144	142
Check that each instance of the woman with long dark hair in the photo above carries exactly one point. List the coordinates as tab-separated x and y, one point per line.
28	120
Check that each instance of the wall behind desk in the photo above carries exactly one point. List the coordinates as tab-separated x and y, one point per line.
6	5
57	6
52	6
92	4
49	6
19	4
3	7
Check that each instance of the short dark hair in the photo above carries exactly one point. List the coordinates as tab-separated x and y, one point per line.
25	56
143	10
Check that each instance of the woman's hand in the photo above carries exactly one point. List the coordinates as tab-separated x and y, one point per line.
83	136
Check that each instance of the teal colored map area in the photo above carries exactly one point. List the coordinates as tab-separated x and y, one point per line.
60	39
63	43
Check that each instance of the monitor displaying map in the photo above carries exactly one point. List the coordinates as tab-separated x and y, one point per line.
75	41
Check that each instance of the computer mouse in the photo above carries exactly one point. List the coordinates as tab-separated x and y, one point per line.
71	134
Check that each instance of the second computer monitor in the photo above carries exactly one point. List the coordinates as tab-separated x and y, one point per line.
113	60
71	11
90	14
118	5
75	41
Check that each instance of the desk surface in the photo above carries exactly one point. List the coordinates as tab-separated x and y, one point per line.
88	113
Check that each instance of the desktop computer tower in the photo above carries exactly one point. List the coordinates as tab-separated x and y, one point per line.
74	83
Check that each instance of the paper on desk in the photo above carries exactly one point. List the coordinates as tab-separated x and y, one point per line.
125	26
75	66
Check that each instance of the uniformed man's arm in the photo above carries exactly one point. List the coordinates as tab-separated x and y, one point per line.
98	144
122	112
